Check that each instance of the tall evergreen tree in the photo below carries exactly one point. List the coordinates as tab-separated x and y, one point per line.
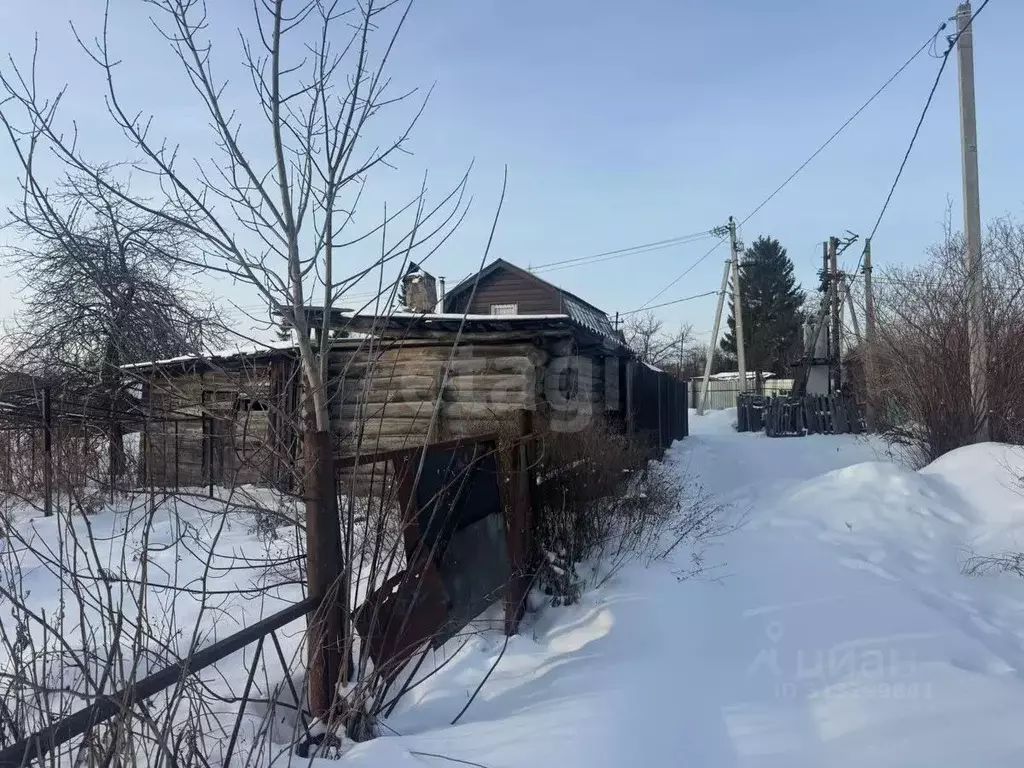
772	301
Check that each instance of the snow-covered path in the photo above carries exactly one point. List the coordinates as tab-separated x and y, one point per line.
838	632
844	634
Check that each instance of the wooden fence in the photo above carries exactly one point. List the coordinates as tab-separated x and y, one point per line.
657	404
799	416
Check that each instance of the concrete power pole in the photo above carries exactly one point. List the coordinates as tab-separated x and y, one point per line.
976	338
741	352
869	340
835	353
714	339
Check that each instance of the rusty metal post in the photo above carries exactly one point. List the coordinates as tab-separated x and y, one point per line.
630	396
47	453
211	426
177	460
519	528
324	574
661	419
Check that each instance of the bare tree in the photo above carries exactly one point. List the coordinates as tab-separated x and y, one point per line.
671	352
105	286
276	207
645	334
641	331
696	355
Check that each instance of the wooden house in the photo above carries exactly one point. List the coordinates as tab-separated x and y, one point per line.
395	381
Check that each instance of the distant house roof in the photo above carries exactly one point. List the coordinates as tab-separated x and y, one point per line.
579	311
732	375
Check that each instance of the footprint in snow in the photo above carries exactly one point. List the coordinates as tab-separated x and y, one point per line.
981	664
863	565
986	626
876	556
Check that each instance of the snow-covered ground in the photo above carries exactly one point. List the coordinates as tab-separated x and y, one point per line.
834	629
838	630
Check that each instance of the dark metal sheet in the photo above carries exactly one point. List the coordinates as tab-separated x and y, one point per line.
475	570
457	488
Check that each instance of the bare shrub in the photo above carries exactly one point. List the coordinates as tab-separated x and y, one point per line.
93	604
921	391
600	496
988	565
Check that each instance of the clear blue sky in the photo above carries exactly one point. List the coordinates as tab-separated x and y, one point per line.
623	123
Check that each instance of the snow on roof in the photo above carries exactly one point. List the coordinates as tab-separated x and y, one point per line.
729	375
221	354
448	316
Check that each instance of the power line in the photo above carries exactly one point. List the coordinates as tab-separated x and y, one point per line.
680	276
917	129
913	139
621	252
947	283
806	162
668	303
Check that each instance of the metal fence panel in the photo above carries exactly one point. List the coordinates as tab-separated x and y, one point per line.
722	394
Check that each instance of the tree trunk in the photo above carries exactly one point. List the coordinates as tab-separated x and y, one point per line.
110	388
116	457
325	574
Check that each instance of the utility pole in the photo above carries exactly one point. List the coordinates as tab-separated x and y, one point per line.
869	340
976	341
848	298
714	338
679	370
741	352
836	359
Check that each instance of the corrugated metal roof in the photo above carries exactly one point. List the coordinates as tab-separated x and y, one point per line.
587	316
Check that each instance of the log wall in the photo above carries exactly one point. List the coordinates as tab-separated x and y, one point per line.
240	424
386	398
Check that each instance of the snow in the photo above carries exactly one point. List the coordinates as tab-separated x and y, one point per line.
838	631
449	316
834	628
239	350
733	375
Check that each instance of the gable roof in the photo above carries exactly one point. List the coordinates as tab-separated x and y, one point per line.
582	312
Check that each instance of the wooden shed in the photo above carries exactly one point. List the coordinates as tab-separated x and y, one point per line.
225	418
